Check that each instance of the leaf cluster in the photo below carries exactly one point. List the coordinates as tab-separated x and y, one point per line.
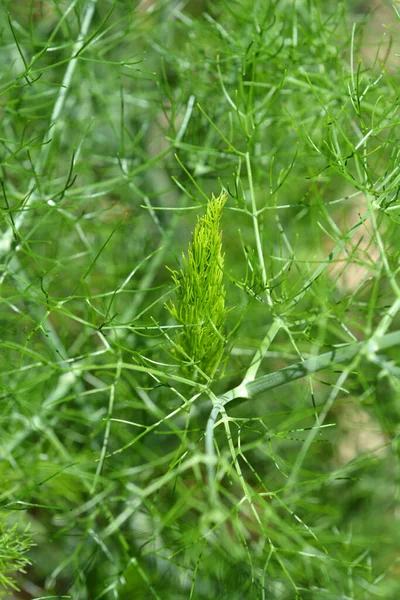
200	294
13	548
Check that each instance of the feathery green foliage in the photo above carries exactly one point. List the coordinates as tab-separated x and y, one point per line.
200	294
277	476
13	548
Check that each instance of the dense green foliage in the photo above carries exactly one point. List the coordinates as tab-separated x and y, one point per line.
200	305
141	468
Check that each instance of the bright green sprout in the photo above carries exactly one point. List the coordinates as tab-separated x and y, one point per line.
13	548
200	295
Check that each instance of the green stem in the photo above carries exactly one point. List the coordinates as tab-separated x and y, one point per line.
298	370
309	366
256	227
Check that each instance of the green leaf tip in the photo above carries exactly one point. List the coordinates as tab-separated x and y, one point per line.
200	295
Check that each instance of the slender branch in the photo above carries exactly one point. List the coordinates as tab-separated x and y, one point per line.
298	370
259	355
257	228
309	366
